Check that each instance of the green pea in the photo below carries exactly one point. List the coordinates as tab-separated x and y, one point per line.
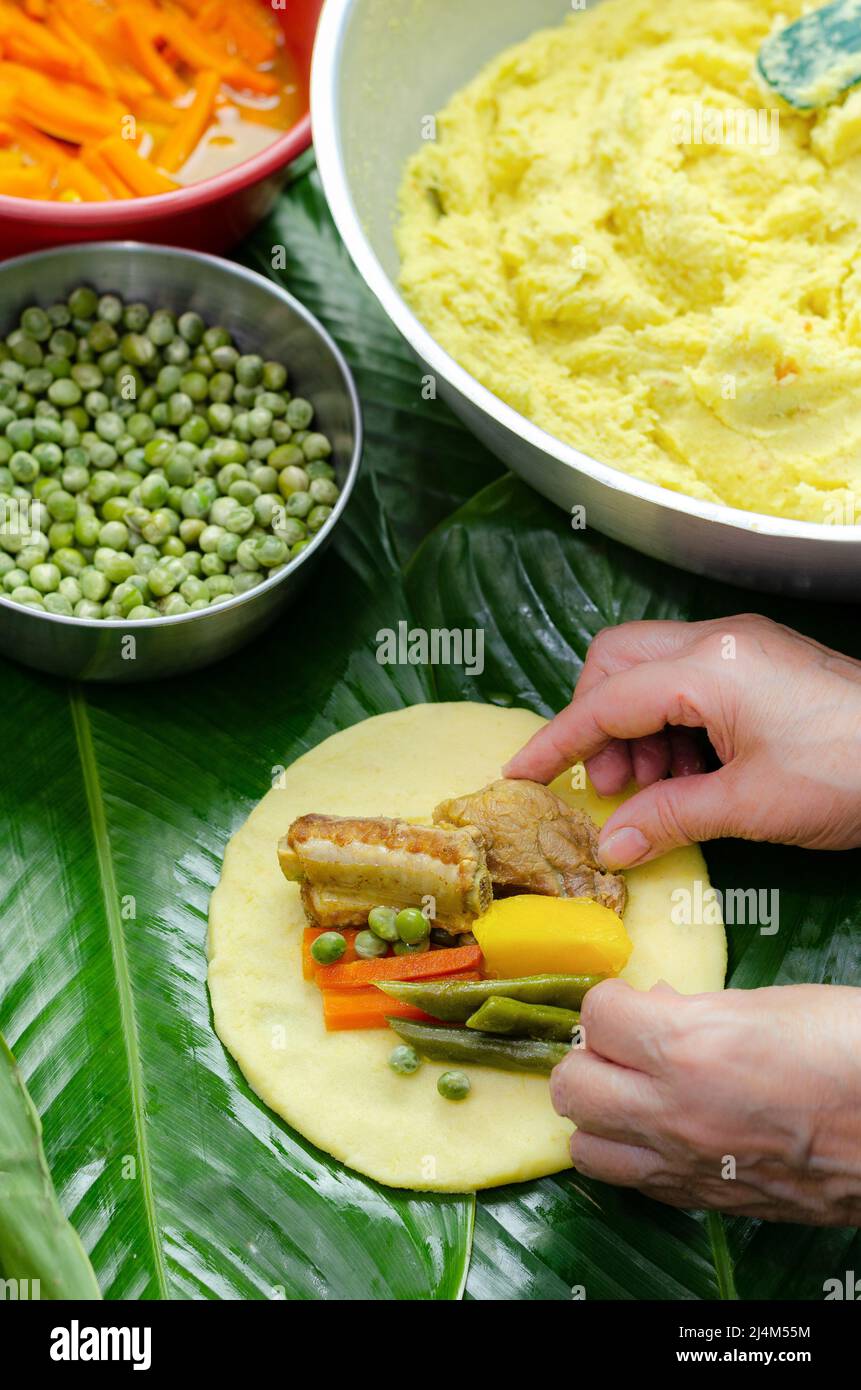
271	551
219	584
228	547
61	505
191	327
221	388
404	1060
368	946
246	555
383	923
328	948
58	604
64	392
191	529
193	588
69	588
298	504
291	530
69	561
86	529
83	302
240	520
300	413
162	523
412	926
454	1085
142	611
45	577
24	467
317	518
291	479
88	608
94	584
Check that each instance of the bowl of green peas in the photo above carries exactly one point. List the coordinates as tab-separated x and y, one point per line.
179	437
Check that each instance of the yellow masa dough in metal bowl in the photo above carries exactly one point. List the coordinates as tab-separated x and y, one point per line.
337	1088
620	232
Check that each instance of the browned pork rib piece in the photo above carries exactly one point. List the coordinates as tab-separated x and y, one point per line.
535	843
347	865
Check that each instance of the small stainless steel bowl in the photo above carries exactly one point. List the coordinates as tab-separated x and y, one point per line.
262	318
380	68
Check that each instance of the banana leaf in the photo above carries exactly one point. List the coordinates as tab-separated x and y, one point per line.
37	1242
119	802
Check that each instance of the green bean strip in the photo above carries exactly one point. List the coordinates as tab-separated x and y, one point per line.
454	1001
459	1045
516	1019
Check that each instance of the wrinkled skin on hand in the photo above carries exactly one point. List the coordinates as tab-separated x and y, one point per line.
782	712
671	1087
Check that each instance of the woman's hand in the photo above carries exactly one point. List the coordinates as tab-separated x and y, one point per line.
782	713
747	1101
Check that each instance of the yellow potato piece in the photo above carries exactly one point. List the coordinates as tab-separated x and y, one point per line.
535	935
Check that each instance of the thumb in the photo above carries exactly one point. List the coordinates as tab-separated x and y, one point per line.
680	811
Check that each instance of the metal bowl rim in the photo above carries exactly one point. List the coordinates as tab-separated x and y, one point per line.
156	250
325	66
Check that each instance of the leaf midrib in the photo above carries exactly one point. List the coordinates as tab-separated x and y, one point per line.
125	999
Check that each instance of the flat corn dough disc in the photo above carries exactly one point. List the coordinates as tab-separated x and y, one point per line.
336	1088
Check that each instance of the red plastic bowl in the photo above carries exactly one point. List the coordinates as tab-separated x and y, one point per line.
209	216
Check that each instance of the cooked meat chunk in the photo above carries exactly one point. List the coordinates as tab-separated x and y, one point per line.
347	865
535	843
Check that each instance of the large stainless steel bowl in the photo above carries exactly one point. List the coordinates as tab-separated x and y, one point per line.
379	67
264	319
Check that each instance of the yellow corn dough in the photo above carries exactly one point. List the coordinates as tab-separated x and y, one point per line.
618	232
337	1088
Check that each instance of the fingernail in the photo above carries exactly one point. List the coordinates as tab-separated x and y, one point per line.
623	848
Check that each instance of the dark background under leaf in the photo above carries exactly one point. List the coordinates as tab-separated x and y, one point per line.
113	793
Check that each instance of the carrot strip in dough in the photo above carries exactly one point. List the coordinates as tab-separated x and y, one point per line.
309	936
141	176
95	161
428	965
188	131
364	1008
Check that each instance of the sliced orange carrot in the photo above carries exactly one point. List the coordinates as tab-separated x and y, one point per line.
364	1008
36	9
189	129
14	23
141	176
427	966
309	936
95	161
139	30
93	67
26	182
73	113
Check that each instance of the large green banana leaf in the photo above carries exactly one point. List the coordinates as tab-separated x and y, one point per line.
119	803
